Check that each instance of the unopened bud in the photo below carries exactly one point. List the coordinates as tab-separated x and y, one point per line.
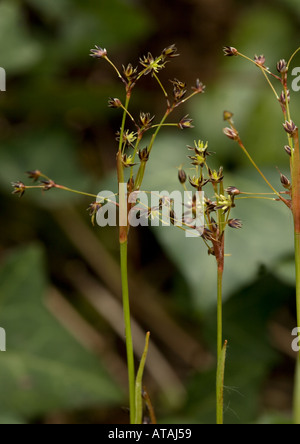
182	176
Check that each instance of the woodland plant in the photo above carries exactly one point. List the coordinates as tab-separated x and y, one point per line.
291	194
131	162
132	159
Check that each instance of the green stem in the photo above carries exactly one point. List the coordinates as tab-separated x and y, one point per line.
220	384
221	358
128	333
297	378
220	313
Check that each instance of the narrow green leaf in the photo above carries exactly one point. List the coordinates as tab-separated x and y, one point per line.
139	383
220	384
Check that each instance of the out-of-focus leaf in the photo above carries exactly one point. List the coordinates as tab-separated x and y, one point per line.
18	50
44	368
10	420
50	152
52	9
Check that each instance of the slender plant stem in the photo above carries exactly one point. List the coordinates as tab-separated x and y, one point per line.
297	378
220	312
220	385
128	333
221	358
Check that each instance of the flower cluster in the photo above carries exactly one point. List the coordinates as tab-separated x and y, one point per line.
216	209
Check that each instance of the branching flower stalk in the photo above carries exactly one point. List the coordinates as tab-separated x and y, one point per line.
129	139
216	219
292	188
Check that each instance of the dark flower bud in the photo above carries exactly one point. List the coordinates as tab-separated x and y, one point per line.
227	115
283	98
114	103
288	150
214	225
208	235
285	182
231	133
19	188
260	60
93	210
282	67
169	52
144	155
130	185
233	191
48	184
172	217
290	127
185	123
98	53
235	223
179	90
35	175
182	176
200	88
230	51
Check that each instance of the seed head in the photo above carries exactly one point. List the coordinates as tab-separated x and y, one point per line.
114	103
185	123
285	182
199	88
144	155
48	184
230	51
128	161
98	53
35	175
231	133
182	176
198	182
282	67
288	150
227	115
93	210
19	188
169	52
179	90
146	120
260	60
216	176
233	191
130	72
290	127
282	99
235	223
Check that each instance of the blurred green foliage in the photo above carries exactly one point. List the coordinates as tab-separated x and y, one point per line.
54	117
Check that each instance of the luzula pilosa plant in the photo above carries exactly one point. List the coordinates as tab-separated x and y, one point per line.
216	212
291	196
131	161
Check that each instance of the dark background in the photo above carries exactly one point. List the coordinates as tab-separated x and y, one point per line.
59	276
